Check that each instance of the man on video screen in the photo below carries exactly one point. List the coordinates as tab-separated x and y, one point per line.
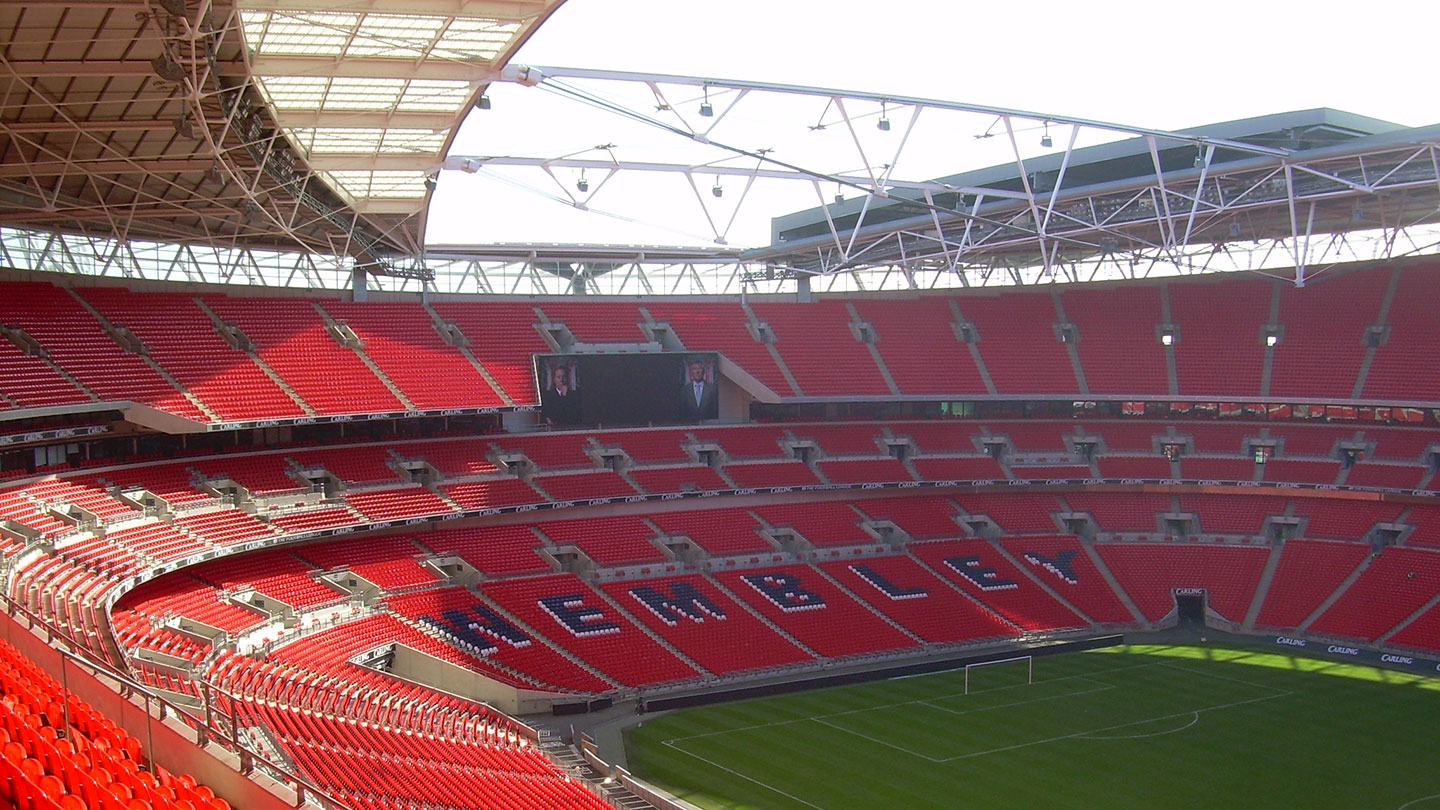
560	397
699	395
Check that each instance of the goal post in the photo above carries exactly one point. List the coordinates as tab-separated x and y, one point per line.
1027	660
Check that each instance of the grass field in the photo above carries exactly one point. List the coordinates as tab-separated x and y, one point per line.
1128	727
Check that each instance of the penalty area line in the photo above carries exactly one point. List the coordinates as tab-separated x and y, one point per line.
1079	734
1194	718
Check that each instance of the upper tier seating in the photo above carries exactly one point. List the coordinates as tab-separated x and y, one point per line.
858	471
1323	345
504	339
183	340
30	382
917	341
290	336
1405	368
75	341
1119	348
721	327
1220	350
597	321
818	347
401	339
1018	342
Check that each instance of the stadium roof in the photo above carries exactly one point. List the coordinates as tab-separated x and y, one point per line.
296	143
258	123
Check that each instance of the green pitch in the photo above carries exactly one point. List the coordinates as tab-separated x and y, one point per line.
1128	727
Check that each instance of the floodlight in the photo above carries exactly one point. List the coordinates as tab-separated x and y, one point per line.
706	111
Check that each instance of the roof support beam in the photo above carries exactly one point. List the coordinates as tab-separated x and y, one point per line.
341	119
357	67
528	74
503	10
136	165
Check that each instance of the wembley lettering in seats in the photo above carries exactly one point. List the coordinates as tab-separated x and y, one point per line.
481	628
784	592
570	610
1059	565
984	578
684	602
885	586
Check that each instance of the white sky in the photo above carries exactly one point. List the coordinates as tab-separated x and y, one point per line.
1152	64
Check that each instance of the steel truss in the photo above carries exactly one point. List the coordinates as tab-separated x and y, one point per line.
582	269
1358	196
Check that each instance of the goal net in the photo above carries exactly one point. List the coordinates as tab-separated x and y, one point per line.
999	674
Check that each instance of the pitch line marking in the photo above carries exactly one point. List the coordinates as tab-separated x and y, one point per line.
1414	802
757	726
1112	728
1194	718
1100	687
733	772
1232	678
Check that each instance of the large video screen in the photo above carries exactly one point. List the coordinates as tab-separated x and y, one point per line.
628	389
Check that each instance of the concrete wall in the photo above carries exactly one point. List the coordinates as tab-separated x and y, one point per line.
425	669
